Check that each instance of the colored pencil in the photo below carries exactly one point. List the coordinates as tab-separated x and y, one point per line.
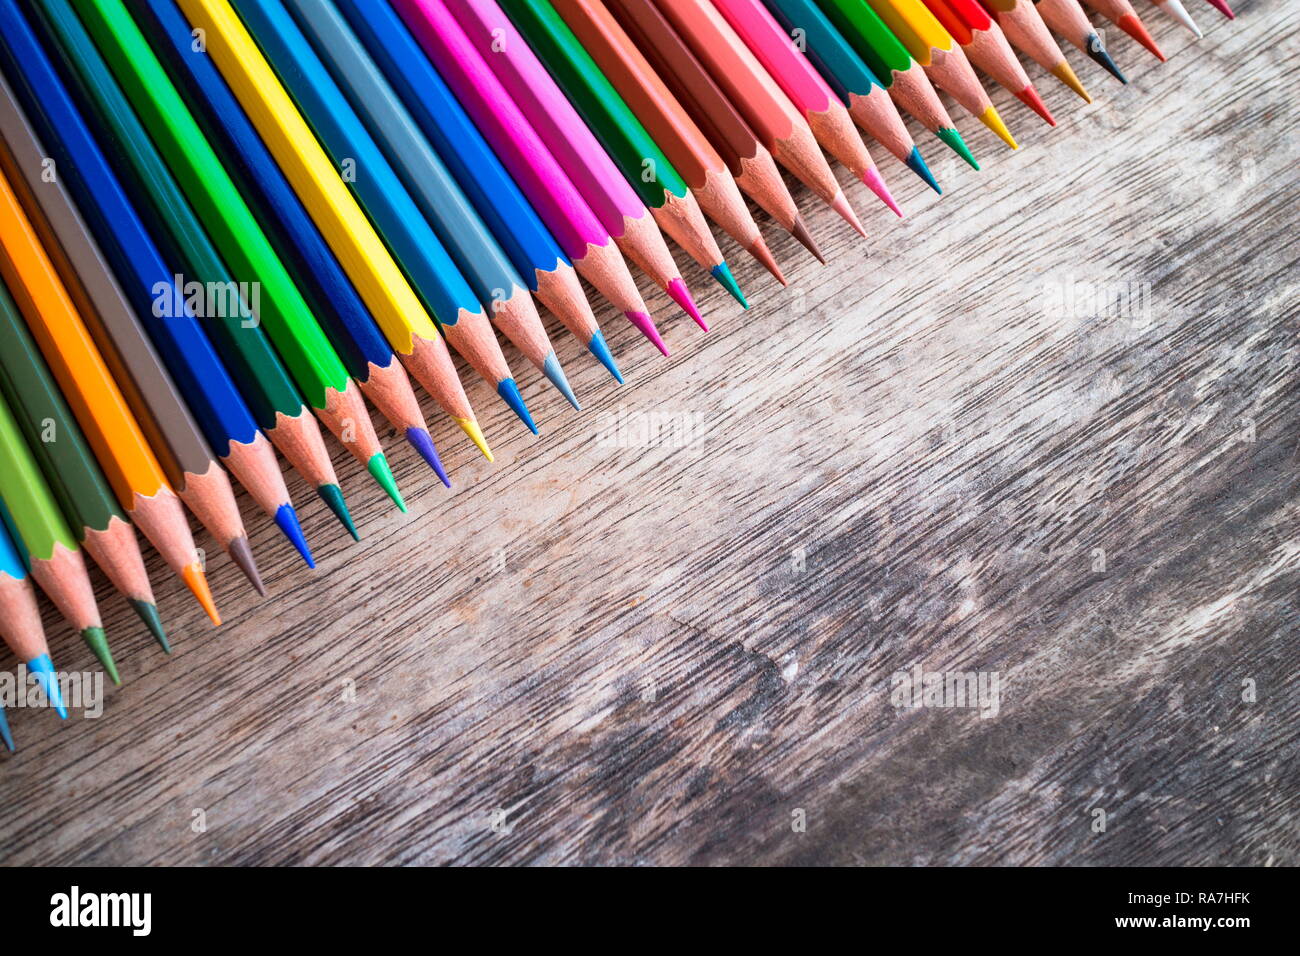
986	46
1222	7
682	141
774	118
52	552
391	301
496	197
263	381
380	192
1122	14
1175	10
68	466
492	277
297	336
1026	31
177	438
852	80
905	79
748	160
5	734
1067	18
599	141
20	620
580	234
944	62
120	446
815	100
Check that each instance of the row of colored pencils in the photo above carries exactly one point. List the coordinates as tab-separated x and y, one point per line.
225	224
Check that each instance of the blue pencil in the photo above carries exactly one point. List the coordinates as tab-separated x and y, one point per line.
20	620
365	352
418	251
216	403
490	273
495	195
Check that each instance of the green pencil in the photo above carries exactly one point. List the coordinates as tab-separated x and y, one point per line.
311	360
69	467
52	551
627	142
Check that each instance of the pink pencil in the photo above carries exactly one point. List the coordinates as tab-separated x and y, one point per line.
525	156
826	115
573	144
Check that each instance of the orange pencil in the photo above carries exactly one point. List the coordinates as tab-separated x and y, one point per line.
774	118
987	47
1122	14
1020	21
673	130
127	460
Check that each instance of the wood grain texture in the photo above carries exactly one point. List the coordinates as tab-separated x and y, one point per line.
678	644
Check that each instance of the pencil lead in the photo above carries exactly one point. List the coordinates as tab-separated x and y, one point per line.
1222	7
1177	11
799	230
379	470
841	205
760	251
722	274
646	326
148	613
43	668
242	555
1063	72
916	163
1097	53
97	641
876	183
678	292
953	140
423	443
1029	96
332	495
600	349
4	731
993	121
470	427
1131	24
197	582
509	393
555	375
286	519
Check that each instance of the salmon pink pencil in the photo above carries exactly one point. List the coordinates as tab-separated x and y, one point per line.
1067	18
1122	14
525	156
811	95
1025	29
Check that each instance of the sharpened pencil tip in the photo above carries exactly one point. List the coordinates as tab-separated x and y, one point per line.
286	519
555	375
678	292
1131	24
598	347
841	205
876	183
646	326
1029	96
799	230
332	495
1176	10
470	427
423	443
993	121
379	470
97	641
917	164
1222	7
148	613
509	393
4	732
43	668
1098	54
722	275
759	250
197	582
1063	72
952	139
242	554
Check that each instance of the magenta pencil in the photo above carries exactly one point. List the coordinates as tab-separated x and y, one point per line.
539	175
568	138
808	91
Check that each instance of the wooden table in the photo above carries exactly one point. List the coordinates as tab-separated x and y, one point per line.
1043	430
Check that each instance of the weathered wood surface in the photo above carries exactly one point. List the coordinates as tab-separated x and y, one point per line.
659	653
